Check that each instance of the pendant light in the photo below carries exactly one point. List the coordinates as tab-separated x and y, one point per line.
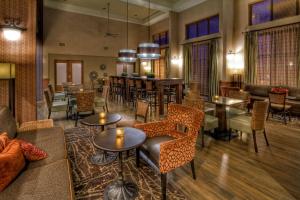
148	50
127	55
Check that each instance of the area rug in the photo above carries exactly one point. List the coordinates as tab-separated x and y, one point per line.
90	180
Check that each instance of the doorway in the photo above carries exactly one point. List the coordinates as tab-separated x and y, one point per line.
68	71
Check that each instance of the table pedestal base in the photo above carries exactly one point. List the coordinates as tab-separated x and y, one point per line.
121	190
103	158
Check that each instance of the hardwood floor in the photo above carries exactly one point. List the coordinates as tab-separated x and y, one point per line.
232	170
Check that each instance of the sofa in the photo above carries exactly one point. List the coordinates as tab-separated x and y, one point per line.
46	179
261	92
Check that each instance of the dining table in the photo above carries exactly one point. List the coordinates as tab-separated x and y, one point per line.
221	104
96	121
119	140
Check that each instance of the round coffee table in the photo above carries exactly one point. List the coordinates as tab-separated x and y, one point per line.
102	158
110	141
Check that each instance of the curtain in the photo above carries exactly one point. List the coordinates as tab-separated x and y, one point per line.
167	60
272	56
187	62
250	57
214	77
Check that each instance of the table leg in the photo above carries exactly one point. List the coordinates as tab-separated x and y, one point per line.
221	115
121	189
103	157
161	100
179	93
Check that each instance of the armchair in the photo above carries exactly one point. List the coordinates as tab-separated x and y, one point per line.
169	148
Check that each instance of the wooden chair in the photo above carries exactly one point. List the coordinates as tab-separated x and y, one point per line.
101	102
55	106
278	105
210	122
169	148
142	108
251	124
85	104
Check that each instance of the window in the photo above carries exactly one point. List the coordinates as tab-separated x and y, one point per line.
200	67
161	38
268	10
278	55
203	27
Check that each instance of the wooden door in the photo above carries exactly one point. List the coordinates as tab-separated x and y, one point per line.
68	71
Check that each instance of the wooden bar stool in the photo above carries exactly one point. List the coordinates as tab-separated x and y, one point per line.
151	93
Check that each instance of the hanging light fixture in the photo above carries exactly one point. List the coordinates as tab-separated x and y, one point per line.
11	27
127	55
148	50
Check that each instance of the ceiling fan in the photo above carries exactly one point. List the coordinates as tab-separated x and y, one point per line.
108	33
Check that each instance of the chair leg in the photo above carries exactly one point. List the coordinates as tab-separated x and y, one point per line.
202	134
67	115
267	142
254	140
230	131
163	178
193	169
284	115
106	107
290	116
76	120
49	114
268	114
137	161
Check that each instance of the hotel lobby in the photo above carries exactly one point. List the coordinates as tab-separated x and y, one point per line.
149	99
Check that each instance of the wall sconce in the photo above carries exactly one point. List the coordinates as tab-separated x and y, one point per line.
176	60
11	29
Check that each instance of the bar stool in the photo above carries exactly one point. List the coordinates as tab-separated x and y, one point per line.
132	92
151	94
169	94
140	91
121	89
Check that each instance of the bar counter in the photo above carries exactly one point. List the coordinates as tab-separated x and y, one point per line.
160	85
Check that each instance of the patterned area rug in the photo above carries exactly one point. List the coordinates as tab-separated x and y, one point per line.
90	180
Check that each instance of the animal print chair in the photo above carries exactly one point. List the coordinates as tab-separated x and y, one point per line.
166	146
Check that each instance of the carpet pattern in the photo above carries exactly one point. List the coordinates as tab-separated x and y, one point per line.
90	180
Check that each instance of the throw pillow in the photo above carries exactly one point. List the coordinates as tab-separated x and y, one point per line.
11	163
32	152
280	90
3	141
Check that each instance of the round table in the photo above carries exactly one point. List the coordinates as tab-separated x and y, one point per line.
102	158
109	140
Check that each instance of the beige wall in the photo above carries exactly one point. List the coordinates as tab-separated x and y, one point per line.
84	39
160	27
90	63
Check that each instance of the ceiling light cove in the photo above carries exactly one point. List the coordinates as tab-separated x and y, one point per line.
138	8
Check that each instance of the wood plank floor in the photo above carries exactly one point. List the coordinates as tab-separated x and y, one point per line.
232	170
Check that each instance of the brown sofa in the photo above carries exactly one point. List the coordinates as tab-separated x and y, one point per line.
261	92
46	179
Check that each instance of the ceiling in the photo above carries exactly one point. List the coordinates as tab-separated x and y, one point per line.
138	9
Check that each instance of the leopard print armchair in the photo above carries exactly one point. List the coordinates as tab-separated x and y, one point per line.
176	148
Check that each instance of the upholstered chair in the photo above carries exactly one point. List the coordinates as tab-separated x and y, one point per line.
56	96
169	148
101	102
278	105
85	104
55	106
251	124
142	108
210	122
